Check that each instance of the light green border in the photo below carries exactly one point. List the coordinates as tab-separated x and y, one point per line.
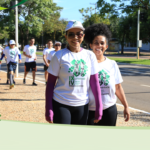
83	126
18	135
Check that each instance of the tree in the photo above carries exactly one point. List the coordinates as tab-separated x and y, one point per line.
119	6
90	18
32	17
130	16
53	25
4	34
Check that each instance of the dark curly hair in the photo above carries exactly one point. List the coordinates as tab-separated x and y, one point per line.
95	30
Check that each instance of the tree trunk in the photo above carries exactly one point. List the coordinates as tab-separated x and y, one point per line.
122	48
27	33
54	35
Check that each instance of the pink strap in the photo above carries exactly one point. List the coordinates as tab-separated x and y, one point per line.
94	83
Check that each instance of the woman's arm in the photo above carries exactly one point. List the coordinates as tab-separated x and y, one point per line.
49	62
120	94
94	83
49	97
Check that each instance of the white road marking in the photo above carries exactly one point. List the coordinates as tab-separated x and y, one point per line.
135	109
146	85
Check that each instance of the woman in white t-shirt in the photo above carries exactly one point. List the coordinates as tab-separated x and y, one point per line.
76	69
57	47
110	79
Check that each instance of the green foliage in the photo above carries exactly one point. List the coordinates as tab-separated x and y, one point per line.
90	18
53	25
33	15
126	27
119	6
4	33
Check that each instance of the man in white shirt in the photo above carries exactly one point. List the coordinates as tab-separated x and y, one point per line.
30	62
46	51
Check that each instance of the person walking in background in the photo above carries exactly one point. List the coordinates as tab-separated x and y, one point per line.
46	51
110	79
57	47
1	49
7	82
30	62
76	69
11	54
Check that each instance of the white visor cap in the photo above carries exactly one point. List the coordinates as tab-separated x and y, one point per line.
57	42
12	42
74	24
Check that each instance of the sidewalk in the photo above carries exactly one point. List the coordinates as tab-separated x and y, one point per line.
27	103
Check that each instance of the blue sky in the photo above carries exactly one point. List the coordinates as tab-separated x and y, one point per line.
71	8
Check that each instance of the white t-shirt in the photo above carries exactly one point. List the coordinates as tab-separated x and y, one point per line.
46	51
50	55
109	76
1	48
73	71
30	50
11	54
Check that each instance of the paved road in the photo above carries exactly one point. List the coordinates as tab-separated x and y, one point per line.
136	82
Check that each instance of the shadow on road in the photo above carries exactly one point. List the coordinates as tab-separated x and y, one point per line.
21	100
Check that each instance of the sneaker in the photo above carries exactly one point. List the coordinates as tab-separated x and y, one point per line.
11	86
7	82
14	82
34	84
24	81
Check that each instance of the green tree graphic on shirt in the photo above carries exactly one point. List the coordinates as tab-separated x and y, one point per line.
12	54
103	78
31	51
78	67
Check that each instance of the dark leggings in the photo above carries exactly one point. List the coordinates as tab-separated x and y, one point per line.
7	72
109	117
64	114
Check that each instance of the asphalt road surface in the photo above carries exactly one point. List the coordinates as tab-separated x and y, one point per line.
136	82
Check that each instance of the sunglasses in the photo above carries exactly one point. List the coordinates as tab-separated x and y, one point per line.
72	35
57	45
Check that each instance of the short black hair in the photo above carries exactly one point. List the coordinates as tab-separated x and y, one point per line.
95	30
49	40
32	38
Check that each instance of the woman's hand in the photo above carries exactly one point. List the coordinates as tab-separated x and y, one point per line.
48	119
96	121
120	94
126	114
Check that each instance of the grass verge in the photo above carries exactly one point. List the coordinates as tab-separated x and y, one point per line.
132	60
38	53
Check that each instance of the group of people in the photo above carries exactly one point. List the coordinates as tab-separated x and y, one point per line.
82	86
10	53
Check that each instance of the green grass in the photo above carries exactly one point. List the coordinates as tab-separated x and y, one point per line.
38	53
132	60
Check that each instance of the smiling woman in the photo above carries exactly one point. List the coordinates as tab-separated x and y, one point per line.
110	78
75	68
